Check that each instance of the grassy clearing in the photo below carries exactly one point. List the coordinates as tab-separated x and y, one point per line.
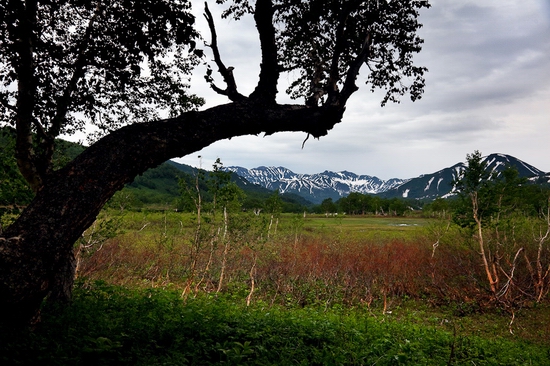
300	261
369	228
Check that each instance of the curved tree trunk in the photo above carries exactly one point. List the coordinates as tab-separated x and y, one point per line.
35	251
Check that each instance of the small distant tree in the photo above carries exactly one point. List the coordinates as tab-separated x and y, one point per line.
274	203
353	203
474	188
192	189
212	196
274	206
123	200
397	207
328	206
254	204
226	194
437	208
377	205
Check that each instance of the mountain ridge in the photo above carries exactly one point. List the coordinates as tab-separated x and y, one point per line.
439	183
319	186
314	187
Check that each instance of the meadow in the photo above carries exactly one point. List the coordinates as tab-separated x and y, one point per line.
169	288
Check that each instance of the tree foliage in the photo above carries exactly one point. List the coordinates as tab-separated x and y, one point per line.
495	195
327	207
494	207
474	191
321	42
216	190
68	64
365	204
13	188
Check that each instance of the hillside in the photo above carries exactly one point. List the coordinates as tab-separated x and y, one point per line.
14	190
254	192
438	184
159	186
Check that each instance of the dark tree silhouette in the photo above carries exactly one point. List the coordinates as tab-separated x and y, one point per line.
64	64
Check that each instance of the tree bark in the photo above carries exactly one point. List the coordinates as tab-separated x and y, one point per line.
39	244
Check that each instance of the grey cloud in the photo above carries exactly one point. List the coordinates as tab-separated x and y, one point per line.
487	89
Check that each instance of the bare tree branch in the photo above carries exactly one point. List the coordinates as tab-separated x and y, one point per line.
227	72
79	69
339	48
269	67
26	96
316	88
349	84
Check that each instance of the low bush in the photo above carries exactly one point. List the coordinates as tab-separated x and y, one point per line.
111	325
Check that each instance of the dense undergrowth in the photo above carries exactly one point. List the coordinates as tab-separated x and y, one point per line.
112	325
288	290
313	261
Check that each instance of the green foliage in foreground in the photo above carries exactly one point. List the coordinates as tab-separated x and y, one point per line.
13	188
108	325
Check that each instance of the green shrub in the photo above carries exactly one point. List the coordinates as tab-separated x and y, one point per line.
110	325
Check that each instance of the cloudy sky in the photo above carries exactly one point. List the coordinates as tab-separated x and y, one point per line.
488	89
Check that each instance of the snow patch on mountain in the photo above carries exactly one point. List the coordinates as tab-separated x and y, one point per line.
315	187
422	187
429	183
334	185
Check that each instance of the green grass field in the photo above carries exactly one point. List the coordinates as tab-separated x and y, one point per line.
368	227
292	291
109	325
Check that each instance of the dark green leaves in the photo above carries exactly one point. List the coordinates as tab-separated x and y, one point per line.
319	40
323	43
496	195
108	64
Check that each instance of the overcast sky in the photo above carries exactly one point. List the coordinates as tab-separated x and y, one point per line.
488	89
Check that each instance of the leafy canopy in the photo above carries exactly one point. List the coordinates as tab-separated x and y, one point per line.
67	64
321	41
104	63
492	195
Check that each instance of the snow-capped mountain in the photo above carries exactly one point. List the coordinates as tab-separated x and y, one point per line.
438	184
315	187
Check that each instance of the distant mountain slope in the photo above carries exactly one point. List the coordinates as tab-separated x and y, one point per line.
160	185
315	187
253	190
241	182
438	184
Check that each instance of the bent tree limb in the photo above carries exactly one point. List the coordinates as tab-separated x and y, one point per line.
34	248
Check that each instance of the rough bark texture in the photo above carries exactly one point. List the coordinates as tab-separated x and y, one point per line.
39	244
